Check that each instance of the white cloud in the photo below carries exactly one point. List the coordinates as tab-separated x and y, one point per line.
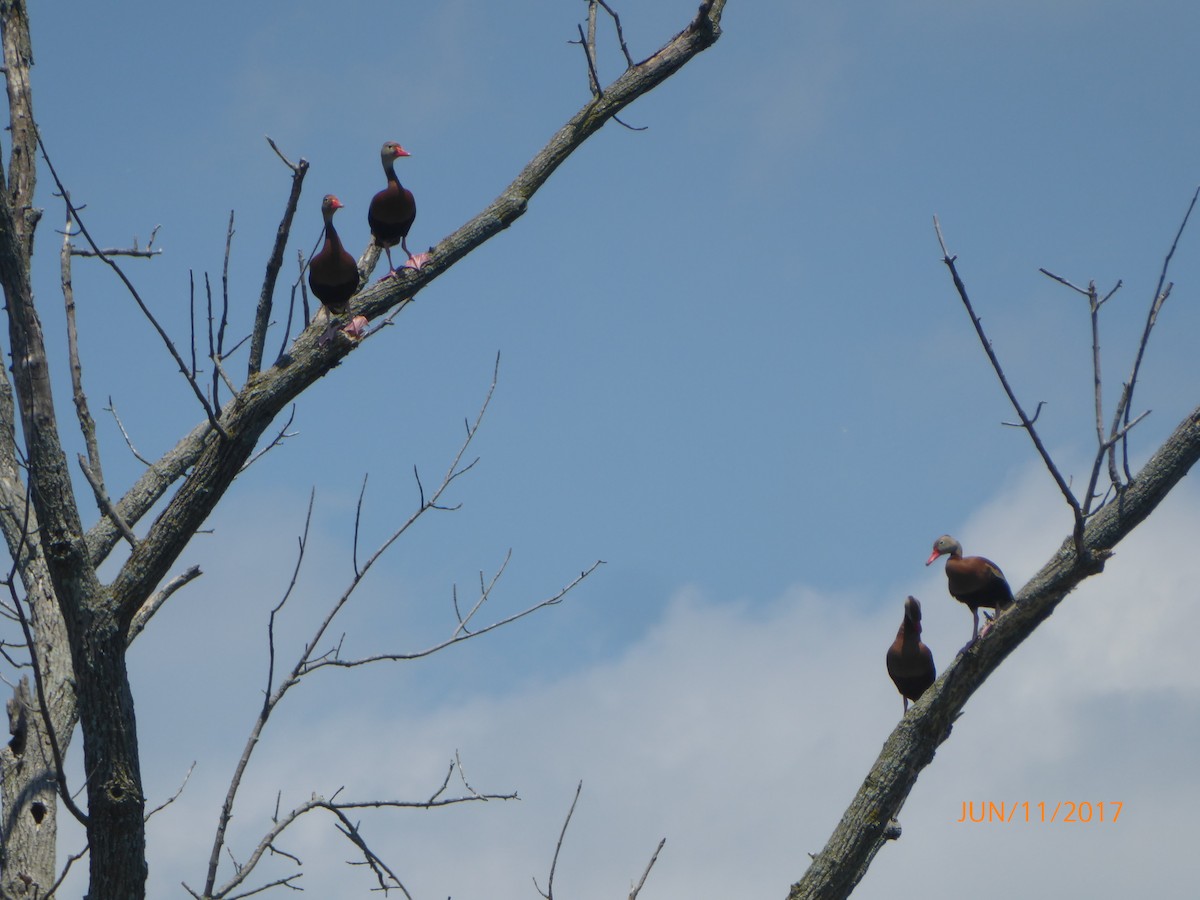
739	731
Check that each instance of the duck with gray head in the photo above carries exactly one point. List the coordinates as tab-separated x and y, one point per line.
972	580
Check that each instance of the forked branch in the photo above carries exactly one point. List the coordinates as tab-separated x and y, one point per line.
311	659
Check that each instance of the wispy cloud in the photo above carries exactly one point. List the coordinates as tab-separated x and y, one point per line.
739	731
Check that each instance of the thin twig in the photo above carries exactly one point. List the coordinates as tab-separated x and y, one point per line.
1094	303
192	316
1037	412
1161	291
217	353
106	504
588	43
111	408
549	892
370	858
86	423
287	162
357	524
138	624
589	49
1026	422
208	410
174	796
262	315
650	865
554	600
270	698
282	435
62	876
485	591
620	32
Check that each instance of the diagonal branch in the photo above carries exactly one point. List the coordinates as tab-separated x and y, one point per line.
548	893
130	288
246	418
836	870
645	874
1026	422
1161	291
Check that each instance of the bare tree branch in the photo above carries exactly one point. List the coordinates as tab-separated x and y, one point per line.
836	870
460	633
105	504
135	251
262	316
549	892
650	865
130	288
1026	422
620	32
279	438
245	419
87	424
143	615
1161	291
338	808
175	796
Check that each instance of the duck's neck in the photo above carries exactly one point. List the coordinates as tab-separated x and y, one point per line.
331	235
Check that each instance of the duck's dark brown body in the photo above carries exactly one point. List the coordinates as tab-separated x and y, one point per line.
332	273
909	661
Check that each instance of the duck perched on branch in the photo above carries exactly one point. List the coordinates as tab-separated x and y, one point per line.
332	272
909	661
972	580
393	211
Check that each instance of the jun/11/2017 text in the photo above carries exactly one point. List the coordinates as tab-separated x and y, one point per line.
1066	812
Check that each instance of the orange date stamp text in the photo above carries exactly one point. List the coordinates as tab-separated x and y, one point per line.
1040	812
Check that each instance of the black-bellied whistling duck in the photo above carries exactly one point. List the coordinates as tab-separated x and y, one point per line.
393	211
332	273
909	661
973	580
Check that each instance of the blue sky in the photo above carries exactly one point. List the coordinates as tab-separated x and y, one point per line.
732	366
